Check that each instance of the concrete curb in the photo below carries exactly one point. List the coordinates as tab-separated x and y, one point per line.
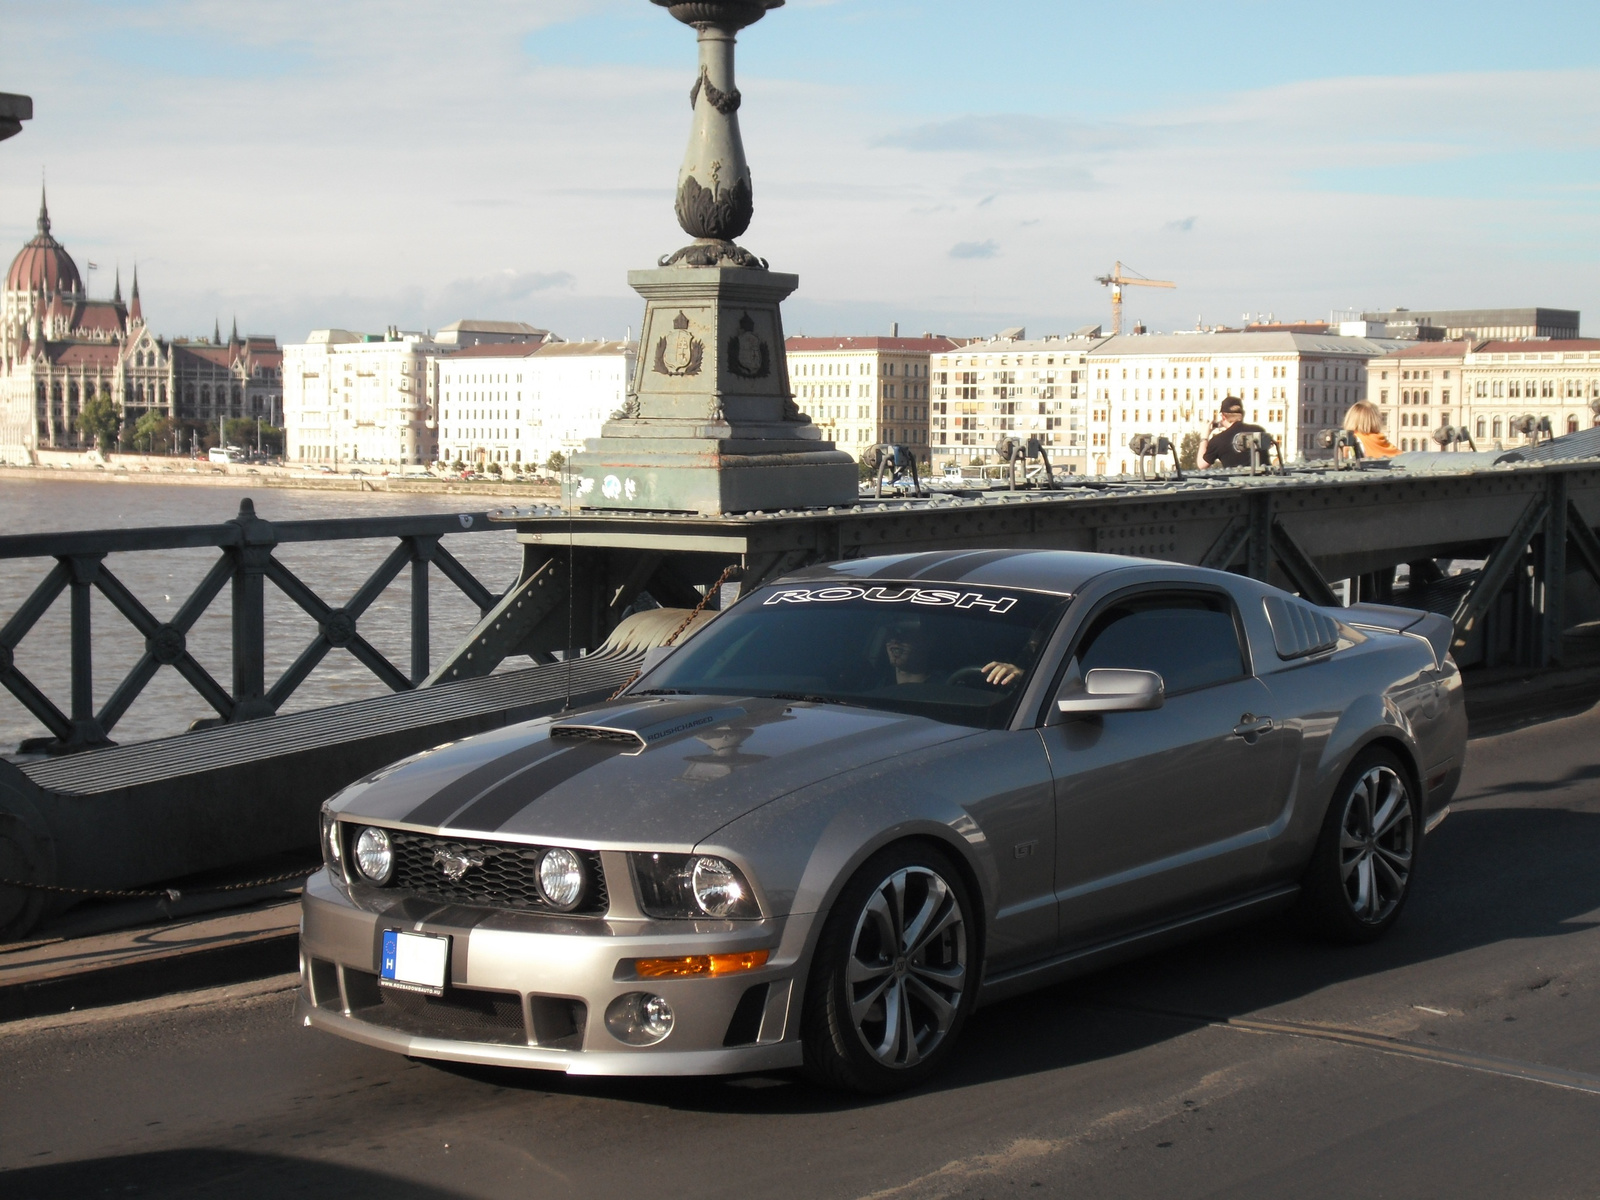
271	985
183	970
62	975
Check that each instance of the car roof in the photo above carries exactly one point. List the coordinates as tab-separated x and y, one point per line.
1062	571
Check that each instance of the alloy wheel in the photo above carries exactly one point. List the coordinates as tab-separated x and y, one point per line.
907	967
1377	840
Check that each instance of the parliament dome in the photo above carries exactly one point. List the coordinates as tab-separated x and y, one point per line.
43	265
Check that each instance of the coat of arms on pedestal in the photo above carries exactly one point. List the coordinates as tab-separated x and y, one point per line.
748	356
679	352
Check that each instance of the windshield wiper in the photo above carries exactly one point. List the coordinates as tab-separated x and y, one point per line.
665	692
808	699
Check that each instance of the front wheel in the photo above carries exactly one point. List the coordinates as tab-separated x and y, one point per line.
1362	869
894	976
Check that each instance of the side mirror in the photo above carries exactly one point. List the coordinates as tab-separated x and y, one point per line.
1106	690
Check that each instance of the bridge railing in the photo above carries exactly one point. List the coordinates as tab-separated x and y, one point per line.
248	561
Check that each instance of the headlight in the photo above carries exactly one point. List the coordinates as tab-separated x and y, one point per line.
561	879
719	889
692	885
332	851
374	855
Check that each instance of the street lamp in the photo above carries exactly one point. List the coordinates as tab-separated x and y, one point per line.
14	110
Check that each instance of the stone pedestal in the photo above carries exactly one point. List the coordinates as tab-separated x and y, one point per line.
710	425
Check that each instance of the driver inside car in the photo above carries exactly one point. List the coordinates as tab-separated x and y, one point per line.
906	647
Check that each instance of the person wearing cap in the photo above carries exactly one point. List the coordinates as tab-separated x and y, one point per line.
1217	449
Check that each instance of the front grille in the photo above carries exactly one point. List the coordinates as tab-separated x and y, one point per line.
470	1015
507	878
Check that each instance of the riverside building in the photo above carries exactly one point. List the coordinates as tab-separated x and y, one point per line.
520	404
59	348
1009	386
1484	386
1294	385
354	398
1483	324
861	391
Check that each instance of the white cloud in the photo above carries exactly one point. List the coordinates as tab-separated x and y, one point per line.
366	164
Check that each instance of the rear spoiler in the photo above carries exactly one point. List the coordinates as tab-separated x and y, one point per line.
1437	630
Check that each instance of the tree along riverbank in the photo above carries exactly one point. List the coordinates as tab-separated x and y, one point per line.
234	475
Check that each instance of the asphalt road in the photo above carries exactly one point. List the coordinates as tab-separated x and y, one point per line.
1460	1058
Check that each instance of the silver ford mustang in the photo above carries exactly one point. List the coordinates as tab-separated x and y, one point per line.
873	795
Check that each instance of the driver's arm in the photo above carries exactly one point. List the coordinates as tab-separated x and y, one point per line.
1001	674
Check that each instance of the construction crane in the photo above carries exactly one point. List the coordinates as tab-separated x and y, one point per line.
1117	280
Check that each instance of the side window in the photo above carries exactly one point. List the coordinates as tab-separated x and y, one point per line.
1189	638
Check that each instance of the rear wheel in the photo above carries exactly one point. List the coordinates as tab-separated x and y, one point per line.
894	975
1362	869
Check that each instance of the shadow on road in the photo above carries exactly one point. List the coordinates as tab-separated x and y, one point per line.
204	1173
1490	875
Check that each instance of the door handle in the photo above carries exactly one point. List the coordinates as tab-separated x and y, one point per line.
1251	727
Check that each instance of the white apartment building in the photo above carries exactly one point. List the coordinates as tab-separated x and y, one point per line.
1294	385
1484	385
522	403
1005	387
352	397
861	391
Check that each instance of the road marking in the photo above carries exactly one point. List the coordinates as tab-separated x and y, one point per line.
1488	1064
958	1176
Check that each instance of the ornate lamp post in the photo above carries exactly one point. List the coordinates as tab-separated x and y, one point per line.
710	425
715	199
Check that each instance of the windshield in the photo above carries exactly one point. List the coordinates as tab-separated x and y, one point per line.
953	653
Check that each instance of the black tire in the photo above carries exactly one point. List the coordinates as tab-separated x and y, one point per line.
855	1023
1359	877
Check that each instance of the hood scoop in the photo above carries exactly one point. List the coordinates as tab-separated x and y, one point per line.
640	730
598	733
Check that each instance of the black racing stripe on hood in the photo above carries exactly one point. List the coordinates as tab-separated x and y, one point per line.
512	795
470	786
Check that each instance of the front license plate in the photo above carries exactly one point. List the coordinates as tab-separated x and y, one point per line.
415	962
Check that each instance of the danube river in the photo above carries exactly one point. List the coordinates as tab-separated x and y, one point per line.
162	580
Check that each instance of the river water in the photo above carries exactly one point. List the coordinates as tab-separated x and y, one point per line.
162	580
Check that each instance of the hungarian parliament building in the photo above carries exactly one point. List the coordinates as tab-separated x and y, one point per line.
59	349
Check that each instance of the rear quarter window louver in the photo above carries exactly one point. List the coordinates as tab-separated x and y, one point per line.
1299	630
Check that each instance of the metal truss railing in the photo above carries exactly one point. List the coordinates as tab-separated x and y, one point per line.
248	544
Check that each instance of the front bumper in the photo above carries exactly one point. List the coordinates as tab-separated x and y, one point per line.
532	991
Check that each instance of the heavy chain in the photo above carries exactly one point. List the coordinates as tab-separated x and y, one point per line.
170	894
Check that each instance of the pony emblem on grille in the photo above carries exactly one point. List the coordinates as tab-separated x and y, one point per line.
456	863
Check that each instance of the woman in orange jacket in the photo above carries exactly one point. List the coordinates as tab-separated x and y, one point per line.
1366	423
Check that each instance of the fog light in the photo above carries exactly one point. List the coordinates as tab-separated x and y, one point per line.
561	879
639	1019
374	857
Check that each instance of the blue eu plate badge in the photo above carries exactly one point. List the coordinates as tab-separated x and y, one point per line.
414	962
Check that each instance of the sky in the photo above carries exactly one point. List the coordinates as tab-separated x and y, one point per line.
956	167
